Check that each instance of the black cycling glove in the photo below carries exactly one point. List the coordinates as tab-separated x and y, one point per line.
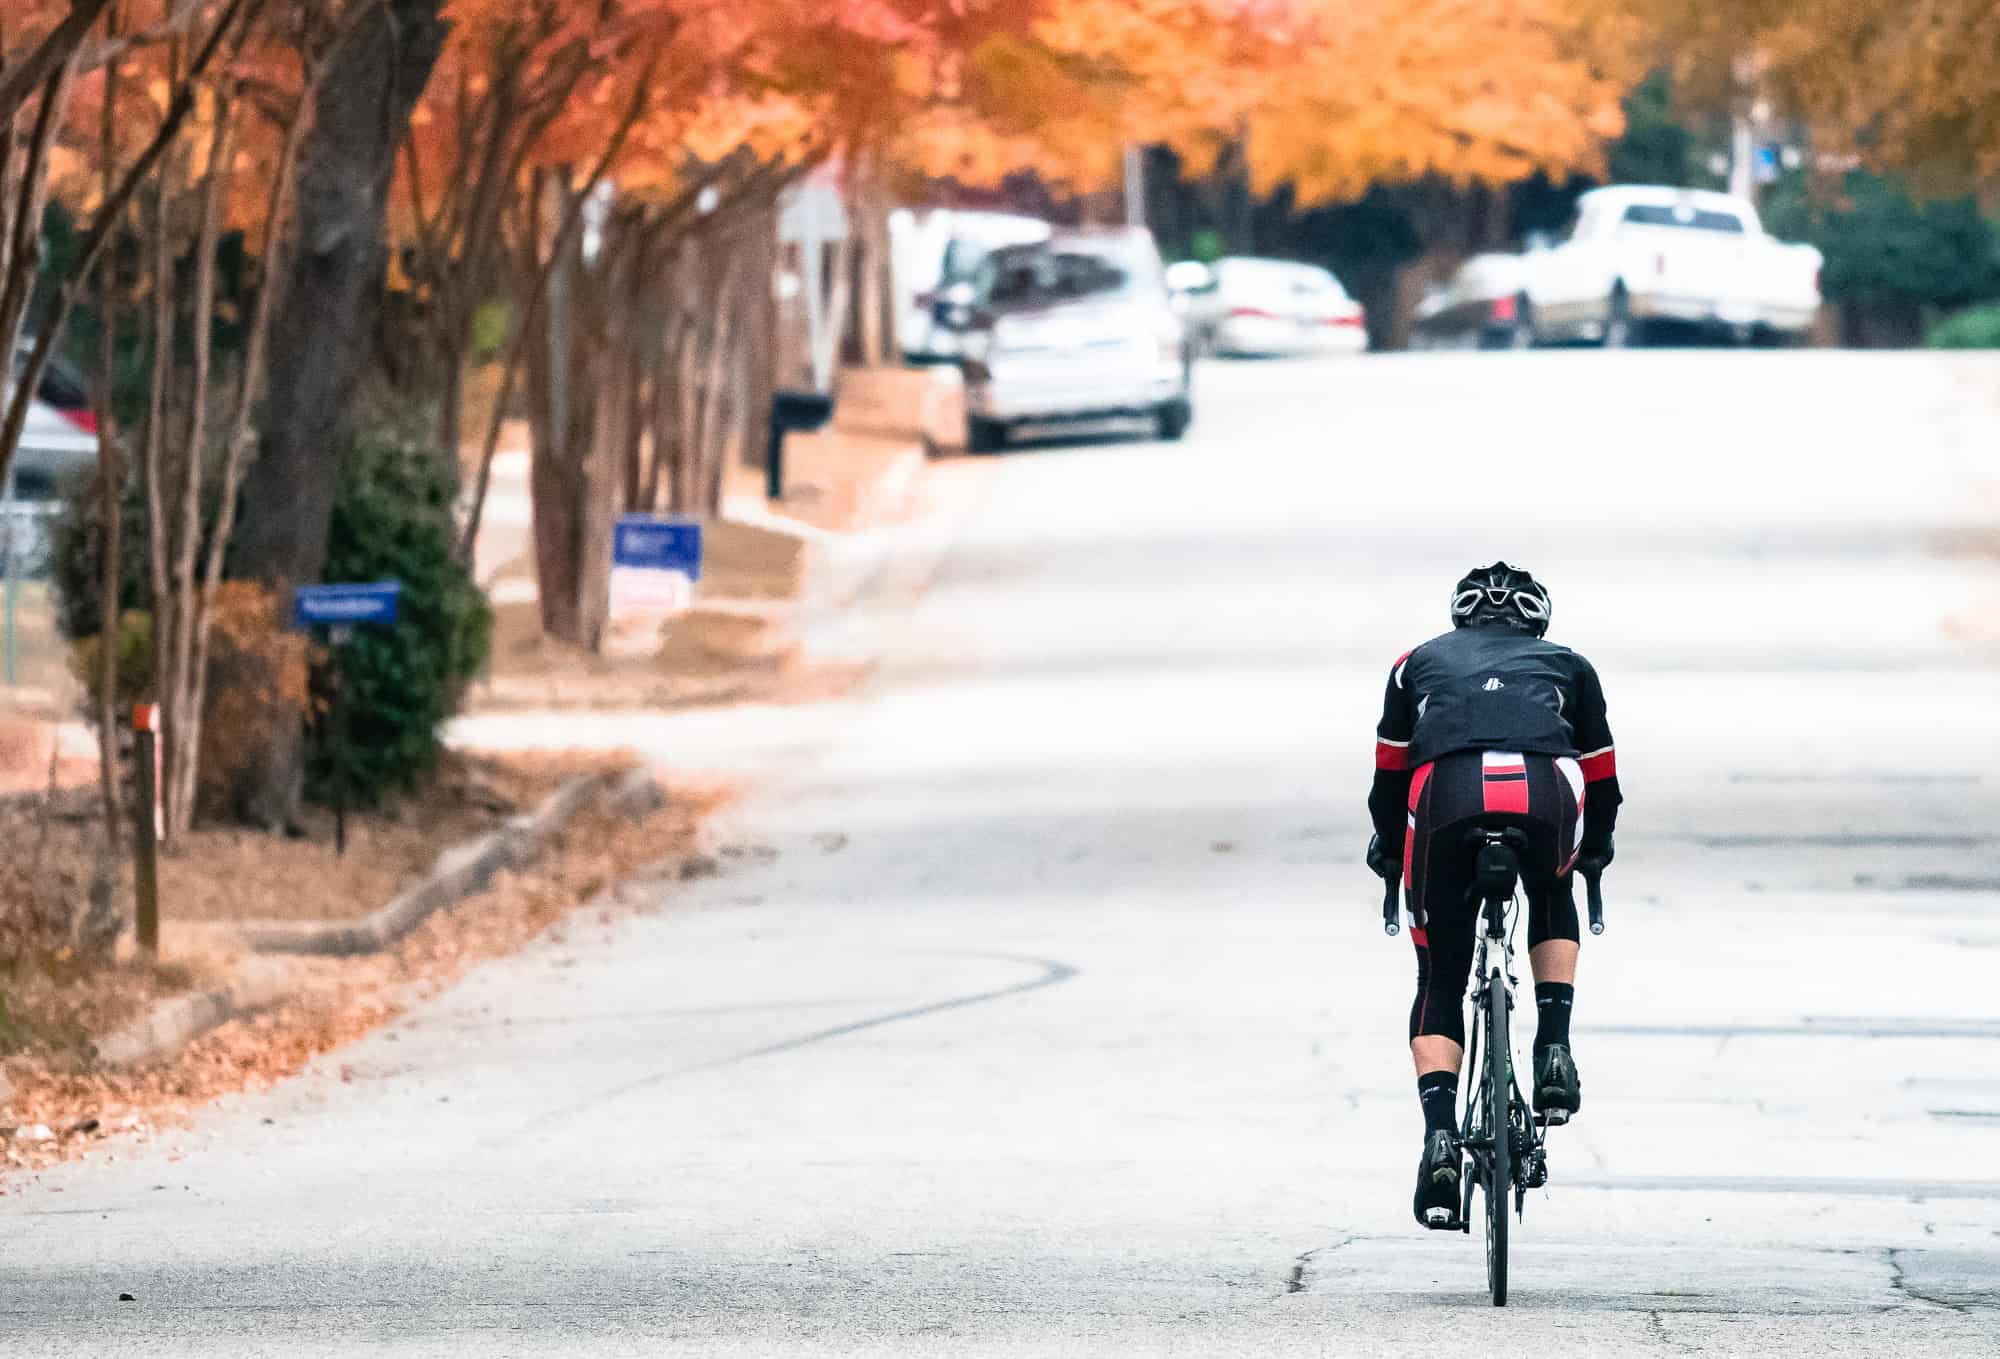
1381	864
1596	855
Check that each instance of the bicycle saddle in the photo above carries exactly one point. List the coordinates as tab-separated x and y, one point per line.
1498	866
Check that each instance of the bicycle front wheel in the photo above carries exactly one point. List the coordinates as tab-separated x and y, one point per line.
1500	1188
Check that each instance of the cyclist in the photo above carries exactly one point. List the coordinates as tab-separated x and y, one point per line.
1489	723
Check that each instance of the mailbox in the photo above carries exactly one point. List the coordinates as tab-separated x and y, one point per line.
791	411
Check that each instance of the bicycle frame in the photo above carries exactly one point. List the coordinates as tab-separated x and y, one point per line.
1520	1162
1527	1134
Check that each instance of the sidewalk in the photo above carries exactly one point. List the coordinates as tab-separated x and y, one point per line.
767	569
40	710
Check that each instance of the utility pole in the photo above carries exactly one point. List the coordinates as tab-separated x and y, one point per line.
1742	151
1135	184
1743	129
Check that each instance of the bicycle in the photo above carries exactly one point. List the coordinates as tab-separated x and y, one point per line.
1516	1162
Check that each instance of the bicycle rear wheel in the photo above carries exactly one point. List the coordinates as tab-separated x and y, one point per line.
1500	1186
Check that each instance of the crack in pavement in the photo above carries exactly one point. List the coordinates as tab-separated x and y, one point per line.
1053	974
1899	1282
1296	1282
1656	1326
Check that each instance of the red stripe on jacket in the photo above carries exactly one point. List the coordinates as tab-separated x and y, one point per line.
1391	757
1599	764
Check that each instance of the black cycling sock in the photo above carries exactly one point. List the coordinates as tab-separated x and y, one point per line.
1438	1090
1552	1006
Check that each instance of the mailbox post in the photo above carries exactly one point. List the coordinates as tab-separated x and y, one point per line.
146	844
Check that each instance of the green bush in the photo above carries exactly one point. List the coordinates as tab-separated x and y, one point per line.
1973	328
1885	246
393	519
76	556
77	550
135	661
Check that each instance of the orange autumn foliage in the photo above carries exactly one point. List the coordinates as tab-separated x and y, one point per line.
1912	86
1328	95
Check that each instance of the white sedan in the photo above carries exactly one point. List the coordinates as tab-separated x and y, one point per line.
1260	307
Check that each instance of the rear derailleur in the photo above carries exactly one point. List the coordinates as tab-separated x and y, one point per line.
1529	1156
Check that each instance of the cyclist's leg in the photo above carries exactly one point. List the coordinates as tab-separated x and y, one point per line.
1443	916
1555	795
1553	936
1442	933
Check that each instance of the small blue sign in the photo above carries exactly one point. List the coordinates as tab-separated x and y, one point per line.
653	542
343	606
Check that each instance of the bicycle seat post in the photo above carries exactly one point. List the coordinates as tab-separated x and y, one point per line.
1498	870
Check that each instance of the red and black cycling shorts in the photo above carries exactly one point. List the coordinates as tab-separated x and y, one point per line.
1543	795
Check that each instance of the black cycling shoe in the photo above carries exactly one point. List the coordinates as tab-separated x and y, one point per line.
1558	1090
1438	1198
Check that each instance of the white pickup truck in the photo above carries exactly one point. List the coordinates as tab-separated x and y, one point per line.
1638	254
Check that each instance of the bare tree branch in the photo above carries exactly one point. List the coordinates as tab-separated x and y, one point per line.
106	220
572	219
55	49
178	21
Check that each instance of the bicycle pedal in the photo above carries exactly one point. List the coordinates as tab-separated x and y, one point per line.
1554	1118
1442	1220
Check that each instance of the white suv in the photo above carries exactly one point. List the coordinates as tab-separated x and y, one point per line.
1078	328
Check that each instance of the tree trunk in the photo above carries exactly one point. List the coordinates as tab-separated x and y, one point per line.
551	480
321	340
110	490
572	479
760	329
869	222
831	340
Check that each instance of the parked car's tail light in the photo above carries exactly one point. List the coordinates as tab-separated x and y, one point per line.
1504	310
1252	314
1351	317
83	417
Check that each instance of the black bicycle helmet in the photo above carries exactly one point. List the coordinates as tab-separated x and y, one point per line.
1501	594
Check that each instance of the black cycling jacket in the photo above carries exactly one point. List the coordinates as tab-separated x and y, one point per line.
1492	688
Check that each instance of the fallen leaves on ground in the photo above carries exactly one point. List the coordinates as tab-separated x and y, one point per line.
339	1000
227	873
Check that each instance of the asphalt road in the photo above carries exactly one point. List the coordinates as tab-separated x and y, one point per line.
1043	1007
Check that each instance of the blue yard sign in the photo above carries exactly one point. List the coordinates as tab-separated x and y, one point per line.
340	609
342	606
652	542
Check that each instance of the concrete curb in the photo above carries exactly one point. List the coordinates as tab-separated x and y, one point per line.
172	1025
459	871
841	568
635	793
